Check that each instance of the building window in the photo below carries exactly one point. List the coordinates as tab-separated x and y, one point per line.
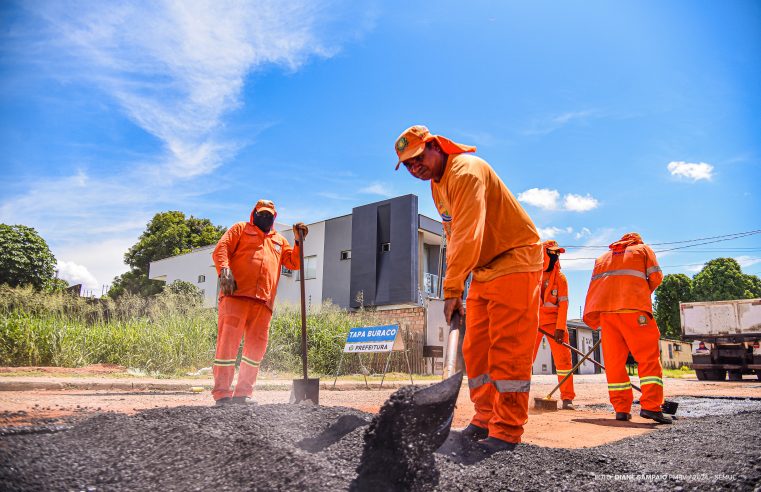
286	272
201	279
310	268
346	255
677	348
385	247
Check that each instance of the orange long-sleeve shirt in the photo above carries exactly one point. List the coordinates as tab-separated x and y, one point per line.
554	309
623	279
255	259
488	232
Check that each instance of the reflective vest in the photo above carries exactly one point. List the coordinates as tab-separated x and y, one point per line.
622	279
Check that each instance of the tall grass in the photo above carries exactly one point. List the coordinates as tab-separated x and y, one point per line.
168	334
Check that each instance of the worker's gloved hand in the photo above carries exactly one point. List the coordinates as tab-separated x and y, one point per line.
227	281
300	227
560	336
452	305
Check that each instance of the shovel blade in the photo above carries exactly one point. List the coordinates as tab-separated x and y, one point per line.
669	407
305	389
401	439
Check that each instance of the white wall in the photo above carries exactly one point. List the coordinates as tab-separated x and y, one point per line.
543	362
585	343
188	267
288	290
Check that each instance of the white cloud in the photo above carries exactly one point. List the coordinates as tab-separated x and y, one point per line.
691	170
548	199
746	261
544	126
578	203
377	189
584	232
177	68
74	273
540	197
552	232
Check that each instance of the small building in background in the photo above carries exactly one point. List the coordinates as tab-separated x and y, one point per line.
581	337
675	353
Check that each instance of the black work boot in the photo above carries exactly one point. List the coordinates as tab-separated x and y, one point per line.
492	445
568	405
657	416
223	401
474	433
623	416
243	400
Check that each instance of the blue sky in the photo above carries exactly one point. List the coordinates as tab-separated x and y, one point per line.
602	117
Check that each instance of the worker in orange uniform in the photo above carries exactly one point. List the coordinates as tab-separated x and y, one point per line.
553	315
619	301
248	258
489	234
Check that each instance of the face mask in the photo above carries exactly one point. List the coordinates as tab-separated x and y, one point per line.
553	260
264	221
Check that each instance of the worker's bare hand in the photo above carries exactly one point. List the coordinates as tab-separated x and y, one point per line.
227	281
560	336
452	305
300	227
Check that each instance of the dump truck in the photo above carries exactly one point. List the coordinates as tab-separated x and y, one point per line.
726	338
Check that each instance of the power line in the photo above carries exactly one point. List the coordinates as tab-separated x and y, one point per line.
728	237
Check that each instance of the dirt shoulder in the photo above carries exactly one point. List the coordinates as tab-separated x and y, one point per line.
590	425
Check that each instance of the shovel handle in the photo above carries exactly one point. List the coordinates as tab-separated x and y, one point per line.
303	304
453	345
580	362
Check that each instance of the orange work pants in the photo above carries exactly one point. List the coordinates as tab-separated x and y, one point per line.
562	357
636	333
239	317
501	326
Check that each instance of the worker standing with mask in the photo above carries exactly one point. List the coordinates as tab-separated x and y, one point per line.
553	315
489	234
619	301
248	259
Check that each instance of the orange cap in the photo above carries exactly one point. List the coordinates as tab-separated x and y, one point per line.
265	206
412	142
552	245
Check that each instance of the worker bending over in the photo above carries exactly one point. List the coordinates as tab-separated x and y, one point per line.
248	258
553	315
619	301
489	234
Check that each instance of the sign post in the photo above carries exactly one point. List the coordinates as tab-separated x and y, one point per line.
374	339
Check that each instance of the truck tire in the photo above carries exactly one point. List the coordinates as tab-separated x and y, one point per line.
717	374
758	374
735	375
703	375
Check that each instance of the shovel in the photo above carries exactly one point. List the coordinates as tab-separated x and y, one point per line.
454	346
305	388
547	403
668	407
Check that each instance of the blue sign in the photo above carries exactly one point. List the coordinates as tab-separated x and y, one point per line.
371	339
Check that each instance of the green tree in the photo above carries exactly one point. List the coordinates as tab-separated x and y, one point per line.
721	279
25	258
674	289
167	234
186	290
752	286
56	285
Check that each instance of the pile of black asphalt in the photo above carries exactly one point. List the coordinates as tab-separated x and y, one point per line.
306	447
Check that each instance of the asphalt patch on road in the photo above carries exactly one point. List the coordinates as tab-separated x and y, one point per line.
254	448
